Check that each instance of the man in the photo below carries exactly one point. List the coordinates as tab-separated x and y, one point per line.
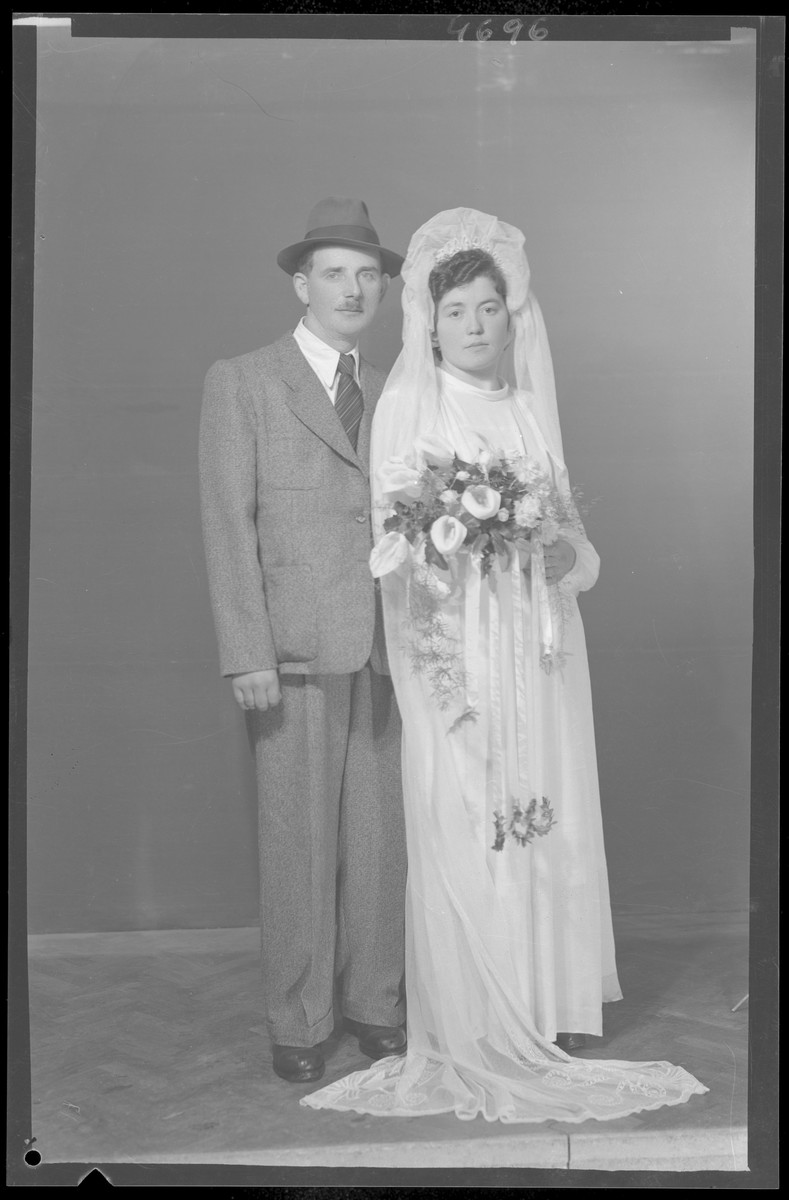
284	447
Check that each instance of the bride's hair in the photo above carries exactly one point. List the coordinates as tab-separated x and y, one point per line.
461	269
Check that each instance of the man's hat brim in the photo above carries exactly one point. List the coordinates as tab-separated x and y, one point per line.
289	258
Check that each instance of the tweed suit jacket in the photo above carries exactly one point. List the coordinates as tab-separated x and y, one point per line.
285	503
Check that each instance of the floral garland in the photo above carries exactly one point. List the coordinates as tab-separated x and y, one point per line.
434	651
525	824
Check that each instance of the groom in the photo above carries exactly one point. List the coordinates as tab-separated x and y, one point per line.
284	448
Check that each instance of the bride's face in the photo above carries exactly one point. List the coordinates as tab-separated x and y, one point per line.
472	329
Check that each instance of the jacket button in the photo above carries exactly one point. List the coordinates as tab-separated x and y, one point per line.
361	519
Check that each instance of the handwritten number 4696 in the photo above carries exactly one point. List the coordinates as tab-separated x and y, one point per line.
537	31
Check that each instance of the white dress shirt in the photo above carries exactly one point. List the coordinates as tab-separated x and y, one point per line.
323	359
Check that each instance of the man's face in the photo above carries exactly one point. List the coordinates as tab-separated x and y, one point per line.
342	291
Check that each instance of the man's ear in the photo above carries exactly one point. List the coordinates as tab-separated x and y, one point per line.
301	287
385	281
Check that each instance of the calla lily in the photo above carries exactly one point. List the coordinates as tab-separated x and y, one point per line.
447	535
435	450
397	478
481	501
390	553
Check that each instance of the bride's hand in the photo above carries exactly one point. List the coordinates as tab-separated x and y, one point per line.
559	559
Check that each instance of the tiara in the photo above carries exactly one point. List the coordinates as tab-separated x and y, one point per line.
465	243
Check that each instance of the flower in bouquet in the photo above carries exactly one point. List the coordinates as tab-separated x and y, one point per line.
397	478
527	511
392	551
487	461
451	501
481	501
527	471
447	535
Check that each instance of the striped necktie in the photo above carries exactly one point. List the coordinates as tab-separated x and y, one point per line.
349	404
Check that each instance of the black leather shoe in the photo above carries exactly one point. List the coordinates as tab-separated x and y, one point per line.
298	1064
571	1041
378	1041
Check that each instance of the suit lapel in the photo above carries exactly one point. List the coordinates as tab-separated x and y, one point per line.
306	397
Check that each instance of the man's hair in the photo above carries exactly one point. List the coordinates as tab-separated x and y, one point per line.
461	269
304	264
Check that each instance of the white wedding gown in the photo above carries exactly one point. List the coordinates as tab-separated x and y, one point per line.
504	948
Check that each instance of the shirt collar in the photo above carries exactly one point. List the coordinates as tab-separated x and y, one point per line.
322	357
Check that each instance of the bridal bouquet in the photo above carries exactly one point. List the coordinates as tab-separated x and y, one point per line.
490	508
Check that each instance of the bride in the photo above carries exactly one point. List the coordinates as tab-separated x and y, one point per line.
509	944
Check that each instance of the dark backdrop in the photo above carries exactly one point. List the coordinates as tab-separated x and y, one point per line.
169	175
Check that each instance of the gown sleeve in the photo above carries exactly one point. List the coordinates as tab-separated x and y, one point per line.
584	572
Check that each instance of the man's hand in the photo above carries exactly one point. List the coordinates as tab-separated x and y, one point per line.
257	689
559	559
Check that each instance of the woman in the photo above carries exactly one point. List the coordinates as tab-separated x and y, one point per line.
509	941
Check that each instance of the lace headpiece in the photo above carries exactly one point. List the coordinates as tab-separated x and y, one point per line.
465	242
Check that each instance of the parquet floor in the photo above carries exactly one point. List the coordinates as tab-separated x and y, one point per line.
150	1047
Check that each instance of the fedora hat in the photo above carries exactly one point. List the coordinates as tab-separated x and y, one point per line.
339	222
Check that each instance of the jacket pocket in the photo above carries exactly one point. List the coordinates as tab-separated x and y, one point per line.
291	606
